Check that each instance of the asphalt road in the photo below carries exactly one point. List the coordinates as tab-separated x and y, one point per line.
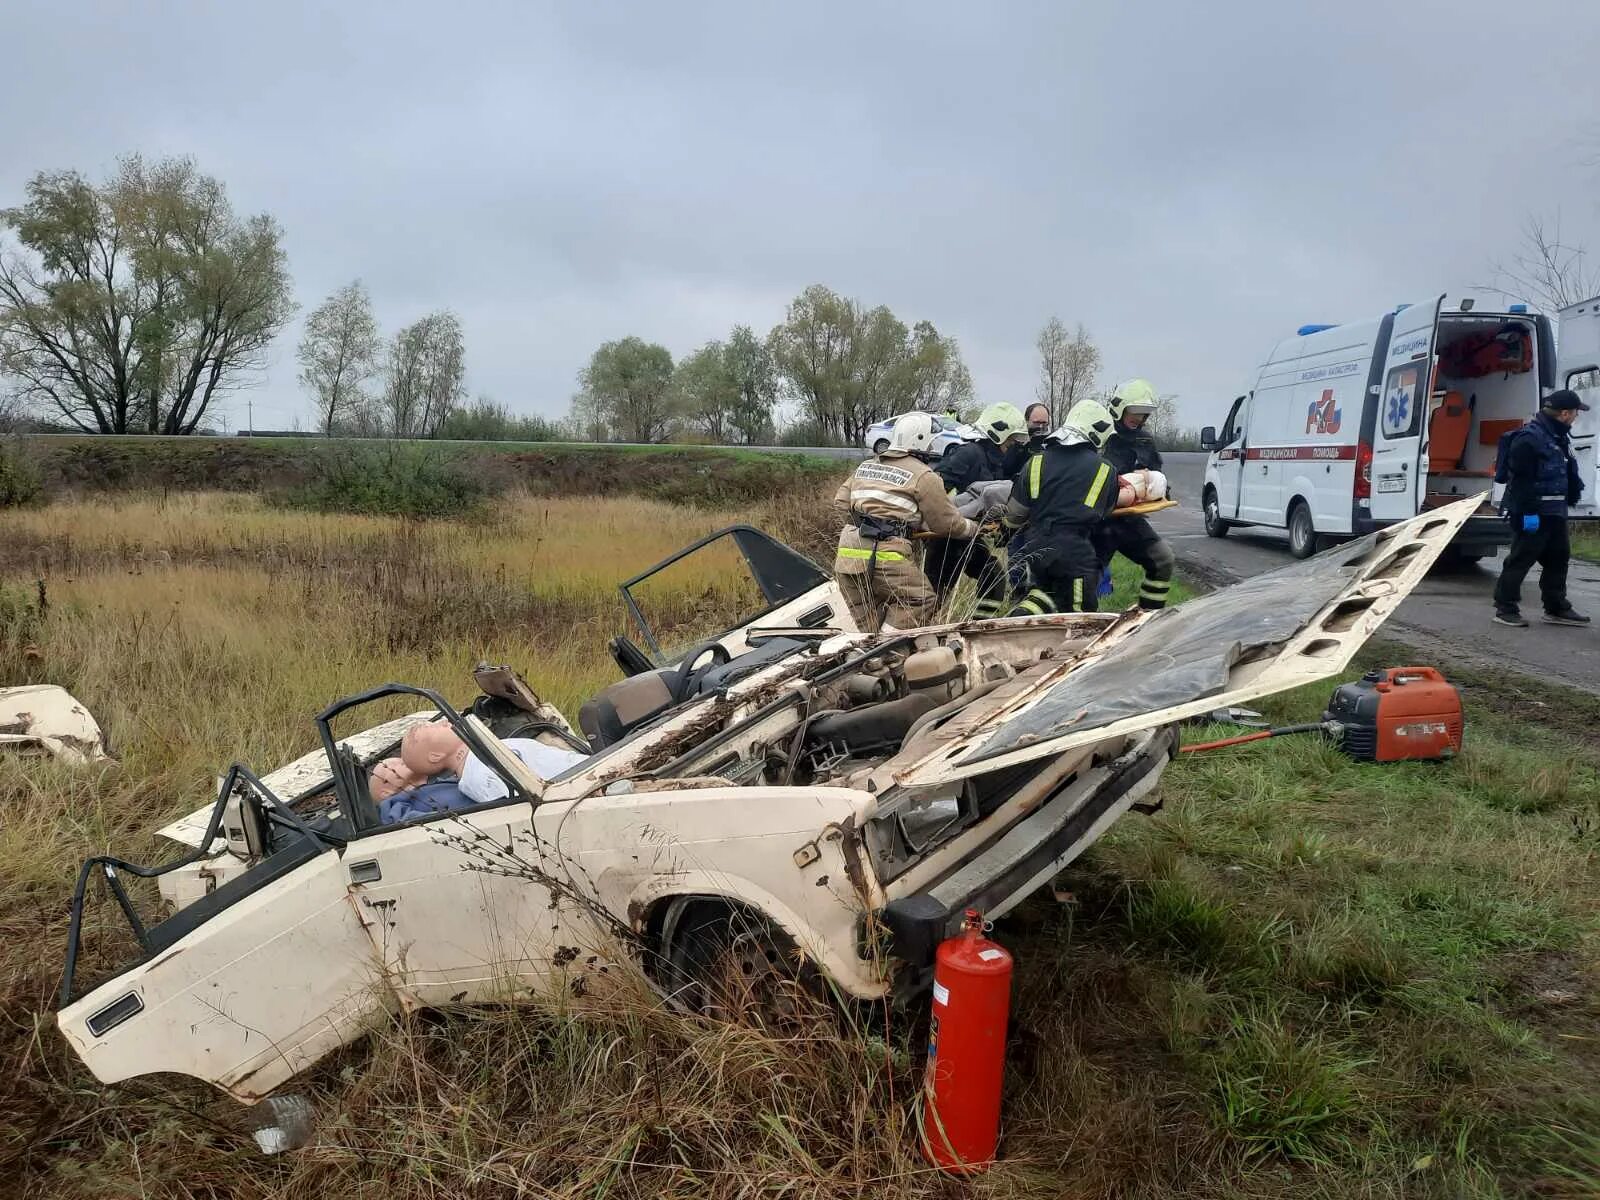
1447	617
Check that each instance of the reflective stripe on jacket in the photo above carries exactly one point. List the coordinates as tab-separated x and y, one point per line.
1066	489
896	487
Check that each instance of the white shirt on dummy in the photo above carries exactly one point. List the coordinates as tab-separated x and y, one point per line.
480	784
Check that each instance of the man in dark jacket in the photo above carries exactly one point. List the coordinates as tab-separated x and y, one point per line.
1541	481
1130	448
1061	498
996	454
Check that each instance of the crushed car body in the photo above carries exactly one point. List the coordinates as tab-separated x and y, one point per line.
789	789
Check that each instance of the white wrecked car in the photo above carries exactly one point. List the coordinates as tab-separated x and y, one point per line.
787	792
44	719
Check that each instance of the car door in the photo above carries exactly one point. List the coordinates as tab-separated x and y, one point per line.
735	580
1578	368
250	995
1399	477
1228	458
1264	635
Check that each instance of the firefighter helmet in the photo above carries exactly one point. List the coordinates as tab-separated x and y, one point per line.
1132	396
913	434
1087	422
1002	422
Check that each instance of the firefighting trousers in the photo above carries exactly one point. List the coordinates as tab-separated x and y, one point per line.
885	588
1058	573
1137	540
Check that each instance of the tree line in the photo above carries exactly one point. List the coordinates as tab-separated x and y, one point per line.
843	365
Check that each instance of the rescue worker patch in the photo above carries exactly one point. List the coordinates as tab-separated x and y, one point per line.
881	472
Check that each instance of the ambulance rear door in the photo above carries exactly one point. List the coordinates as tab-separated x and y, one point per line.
1578	368
1397	434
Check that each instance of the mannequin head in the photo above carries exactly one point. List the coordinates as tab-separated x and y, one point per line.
391	776
432	748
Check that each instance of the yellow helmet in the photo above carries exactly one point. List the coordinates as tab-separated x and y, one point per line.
1132	396
1001	422
1087	422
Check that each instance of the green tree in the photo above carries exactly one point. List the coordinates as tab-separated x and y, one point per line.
629	381
132	305
814	348
339	354
939	380
424	376
755	376
705	392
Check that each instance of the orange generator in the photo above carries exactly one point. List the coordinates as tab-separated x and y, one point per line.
1396	714
966	1050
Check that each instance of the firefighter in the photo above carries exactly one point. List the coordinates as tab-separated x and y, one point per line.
996	454
887	499
1130	448
1061	497
1541	481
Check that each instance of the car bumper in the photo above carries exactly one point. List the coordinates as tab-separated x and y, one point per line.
1030	852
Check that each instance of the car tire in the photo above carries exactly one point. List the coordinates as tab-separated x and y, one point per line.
1303	539
730	964
1212	508
879	446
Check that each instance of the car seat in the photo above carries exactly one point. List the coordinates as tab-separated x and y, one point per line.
624	706
1449	426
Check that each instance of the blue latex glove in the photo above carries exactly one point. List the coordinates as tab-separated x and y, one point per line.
1105	582
1530	523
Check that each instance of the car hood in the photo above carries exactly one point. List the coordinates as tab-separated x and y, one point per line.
1268	634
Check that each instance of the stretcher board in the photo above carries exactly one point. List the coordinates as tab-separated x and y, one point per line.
1145	509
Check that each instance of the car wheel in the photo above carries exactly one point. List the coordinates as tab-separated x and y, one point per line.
731	965
879	446
1215	525
1302	533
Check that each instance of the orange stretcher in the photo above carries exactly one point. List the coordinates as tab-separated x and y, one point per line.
1145	509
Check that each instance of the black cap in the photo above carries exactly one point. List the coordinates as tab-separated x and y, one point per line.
1565	400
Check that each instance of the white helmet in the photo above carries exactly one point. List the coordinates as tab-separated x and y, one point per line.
1088	422
913	434
1132	396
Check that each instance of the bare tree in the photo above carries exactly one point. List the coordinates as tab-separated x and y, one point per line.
339	354
134	305
1068	365
425	374
1547	270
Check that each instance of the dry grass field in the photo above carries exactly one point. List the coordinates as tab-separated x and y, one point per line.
1304	978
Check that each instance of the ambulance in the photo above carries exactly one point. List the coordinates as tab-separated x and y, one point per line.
1349	428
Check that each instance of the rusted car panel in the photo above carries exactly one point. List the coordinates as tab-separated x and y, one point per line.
44	719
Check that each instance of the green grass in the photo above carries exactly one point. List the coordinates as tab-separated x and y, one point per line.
1384	975
703	476
1303	977
1586	540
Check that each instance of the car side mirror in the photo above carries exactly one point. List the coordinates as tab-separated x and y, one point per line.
1208	438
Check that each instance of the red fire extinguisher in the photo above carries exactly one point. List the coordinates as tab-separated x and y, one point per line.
966	1051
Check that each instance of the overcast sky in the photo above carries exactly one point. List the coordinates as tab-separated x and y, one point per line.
1191	181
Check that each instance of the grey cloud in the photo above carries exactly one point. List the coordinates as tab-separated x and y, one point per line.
1190	181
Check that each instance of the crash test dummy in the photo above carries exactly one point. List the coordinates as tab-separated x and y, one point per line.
1058	502
1130	448
888	499
432	749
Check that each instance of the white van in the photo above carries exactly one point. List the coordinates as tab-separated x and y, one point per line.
1352	427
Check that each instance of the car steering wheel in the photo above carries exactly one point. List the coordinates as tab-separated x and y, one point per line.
688	672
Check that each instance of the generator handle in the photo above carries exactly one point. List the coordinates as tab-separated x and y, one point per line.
1412	674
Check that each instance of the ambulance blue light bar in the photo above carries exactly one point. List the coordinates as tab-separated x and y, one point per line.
1518	308
1307	330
